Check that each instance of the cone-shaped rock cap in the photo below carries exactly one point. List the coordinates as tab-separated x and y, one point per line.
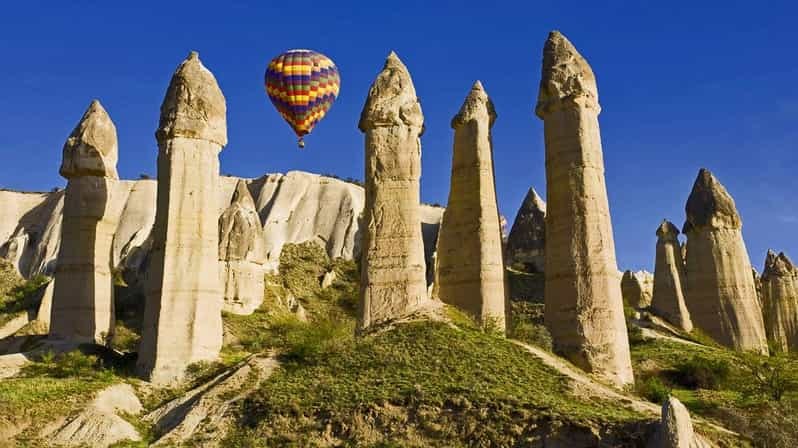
533	202
667	231
710	205
392	99
477	105
91	148
566	80
778	265
194	106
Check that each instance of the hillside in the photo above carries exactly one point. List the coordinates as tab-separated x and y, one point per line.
283	381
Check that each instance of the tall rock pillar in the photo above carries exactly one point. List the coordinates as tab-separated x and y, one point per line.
242	253
669	278
393	284
721	294
469	272
583	303
182	318
83	296
780	302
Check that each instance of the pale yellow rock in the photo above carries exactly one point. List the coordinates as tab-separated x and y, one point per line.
182	319
83	295
637	288
583	303
780	302
294	207
99	424
526	242
668	299
91	149
676	427
720	293
469	270
242	253
393	277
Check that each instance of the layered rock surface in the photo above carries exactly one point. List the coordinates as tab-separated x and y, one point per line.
780	302
241	253
293	208
721	294
583	302
668	299
526	242
469	271
393	279
83	298
182	319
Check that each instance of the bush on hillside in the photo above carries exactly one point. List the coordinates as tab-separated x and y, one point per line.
700	372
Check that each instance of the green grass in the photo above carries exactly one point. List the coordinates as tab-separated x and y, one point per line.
719	385
451	386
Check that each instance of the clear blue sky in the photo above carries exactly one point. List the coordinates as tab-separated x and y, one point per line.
682	87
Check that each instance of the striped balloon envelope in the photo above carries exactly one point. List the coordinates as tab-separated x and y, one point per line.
302	85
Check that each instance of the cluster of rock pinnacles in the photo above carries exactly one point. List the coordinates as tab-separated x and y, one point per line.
201	264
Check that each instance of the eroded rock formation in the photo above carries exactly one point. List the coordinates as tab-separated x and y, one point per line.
637	288
393	280
241	252
83	298
469	271
676	428
721	294
527	240
669	279
182	319
583	303
780	302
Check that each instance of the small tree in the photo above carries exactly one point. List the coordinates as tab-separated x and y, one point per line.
772	376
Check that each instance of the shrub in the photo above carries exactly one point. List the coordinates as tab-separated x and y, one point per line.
699	372
653	390
74	364
771	377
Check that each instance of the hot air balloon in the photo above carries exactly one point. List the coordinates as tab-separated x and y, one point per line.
302	85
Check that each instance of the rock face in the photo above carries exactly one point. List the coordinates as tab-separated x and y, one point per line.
527	240
393	277
241	252
83	299
721	294
294	207
676	427
780	302
637	288
182	319
583	303
469	271
99	424
669	279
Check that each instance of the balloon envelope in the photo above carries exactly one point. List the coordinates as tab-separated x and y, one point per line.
302	85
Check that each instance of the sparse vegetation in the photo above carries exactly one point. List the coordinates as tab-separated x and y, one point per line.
16	293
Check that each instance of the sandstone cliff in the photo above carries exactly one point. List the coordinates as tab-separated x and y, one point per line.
293	207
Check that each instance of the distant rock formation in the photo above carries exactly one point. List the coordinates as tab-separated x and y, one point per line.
584	306
469	271
182	319
780	302
669	279
393	280
637	288
527	240
294	207
83	298
721	294
676	428
241	253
